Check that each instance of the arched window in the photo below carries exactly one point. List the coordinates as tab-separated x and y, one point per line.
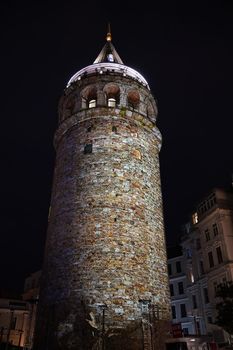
133	98
89	97
112	92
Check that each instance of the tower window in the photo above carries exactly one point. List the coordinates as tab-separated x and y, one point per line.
89	129
133	99
114	128
111	102
88	148
110	57
92	104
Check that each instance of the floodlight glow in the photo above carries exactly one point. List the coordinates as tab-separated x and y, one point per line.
112	67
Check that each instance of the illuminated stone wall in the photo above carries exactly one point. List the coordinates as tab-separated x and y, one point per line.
105	241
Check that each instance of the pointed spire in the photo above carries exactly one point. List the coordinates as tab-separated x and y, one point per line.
109	34
108	52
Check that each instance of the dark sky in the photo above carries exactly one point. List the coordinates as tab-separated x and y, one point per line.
184	51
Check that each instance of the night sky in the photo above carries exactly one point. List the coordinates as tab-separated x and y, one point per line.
184	51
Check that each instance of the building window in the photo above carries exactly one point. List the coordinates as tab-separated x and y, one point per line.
202	267
195	218
183	312
194	299
169	269
173	312
215	285
13	322
88	148
206	295
224	281
181	287
198	327
198	243
209	318
215	229
211	259
171	290
92	103
207	235
111	102
185	331
189	253
178	266
219	255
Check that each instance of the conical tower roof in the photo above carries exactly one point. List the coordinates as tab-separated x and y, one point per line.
107	61
108	52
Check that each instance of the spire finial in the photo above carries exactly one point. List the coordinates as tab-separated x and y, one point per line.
109	35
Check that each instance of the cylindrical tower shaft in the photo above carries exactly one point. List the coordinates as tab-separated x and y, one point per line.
105	268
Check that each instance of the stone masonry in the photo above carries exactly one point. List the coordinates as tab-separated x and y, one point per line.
105	255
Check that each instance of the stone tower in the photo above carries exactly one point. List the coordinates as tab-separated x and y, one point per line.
104	282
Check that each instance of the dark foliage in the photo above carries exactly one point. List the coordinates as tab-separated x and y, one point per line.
225	307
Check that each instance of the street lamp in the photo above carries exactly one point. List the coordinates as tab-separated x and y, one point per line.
102	307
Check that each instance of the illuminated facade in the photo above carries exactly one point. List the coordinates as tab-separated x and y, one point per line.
207	245
105	265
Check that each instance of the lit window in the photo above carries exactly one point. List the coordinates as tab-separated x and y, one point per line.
191	277
111	102
110	57
92	103
195	218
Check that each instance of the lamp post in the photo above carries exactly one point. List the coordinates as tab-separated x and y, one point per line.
146	324
102	307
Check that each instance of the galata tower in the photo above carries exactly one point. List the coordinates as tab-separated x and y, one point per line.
104	280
